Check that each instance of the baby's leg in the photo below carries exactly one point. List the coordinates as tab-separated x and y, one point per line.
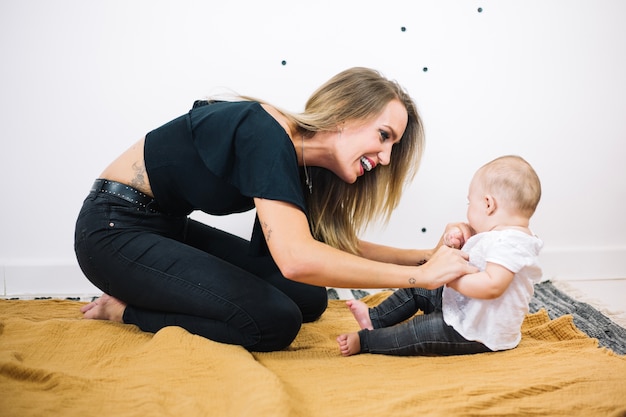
360	311
349	344
424	334
403	304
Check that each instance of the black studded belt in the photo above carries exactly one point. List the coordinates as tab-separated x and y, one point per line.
125	192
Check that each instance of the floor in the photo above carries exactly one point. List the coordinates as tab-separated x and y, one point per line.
606	295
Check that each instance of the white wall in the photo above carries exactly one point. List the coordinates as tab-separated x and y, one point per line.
81	80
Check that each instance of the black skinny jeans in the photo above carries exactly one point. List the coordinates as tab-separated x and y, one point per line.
175	271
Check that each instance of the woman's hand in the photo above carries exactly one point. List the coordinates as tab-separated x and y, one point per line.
446	264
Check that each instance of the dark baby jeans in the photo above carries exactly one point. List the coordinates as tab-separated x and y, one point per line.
424	334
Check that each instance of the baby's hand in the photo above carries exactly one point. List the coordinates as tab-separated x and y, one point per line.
453	238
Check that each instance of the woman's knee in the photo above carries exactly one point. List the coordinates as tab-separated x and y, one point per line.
315	304
279	328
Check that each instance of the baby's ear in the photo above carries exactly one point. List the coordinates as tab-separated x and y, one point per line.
490	204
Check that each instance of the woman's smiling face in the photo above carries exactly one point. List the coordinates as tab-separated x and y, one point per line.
362	145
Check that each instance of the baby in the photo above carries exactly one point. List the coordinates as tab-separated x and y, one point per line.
480	312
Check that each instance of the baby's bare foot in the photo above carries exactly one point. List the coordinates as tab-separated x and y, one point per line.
361	313
349	344
104	308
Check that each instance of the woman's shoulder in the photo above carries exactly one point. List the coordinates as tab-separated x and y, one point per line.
279	117
240	113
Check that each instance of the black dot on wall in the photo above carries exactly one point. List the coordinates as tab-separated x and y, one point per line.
425	69
283	62
480	10
423	230
403	29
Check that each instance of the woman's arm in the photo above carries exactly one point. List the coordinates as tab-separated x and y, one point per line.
460	231
301	258
388	254
488	284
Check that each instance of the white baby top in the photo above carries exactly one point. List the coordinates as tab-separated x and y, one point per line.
496	323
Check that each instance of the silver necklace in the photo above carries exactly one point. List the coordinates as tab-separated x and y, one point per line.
307	180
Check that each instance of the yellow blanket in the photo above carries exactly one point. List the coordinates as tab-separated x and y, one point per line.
53	363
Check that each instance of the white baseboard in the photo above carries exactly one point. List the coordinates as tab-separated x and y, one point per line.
53	279
41	279
584	264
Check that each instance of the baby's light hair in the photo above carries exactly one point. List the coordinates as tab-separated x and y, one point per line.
513	181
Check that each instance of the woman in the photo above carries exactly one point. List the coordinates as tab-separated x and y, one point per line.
315	179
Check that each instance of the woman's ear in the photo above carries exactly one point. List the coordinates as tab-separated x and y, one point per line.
490	204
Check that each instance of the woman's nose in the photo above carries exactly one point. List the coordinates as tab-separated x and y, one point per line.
384	156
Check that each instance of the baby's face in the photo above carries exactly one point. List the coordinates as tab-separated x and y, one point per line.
476	206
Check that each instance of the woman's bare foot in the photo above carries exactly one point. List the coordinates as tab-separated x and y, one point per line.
361	313
349	344
104	308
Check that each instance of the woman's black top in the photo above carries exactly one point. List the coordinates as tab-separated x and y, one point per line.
218	157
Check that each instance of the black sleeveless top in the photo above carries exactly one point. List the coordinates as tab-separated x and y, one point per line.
218	157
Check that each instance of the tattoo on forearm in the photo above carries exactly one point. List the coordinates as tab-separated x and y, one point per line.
139	180
268	231
412	281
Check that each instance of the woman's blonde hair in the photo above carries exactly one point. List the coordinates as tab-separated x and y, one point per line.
339	211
